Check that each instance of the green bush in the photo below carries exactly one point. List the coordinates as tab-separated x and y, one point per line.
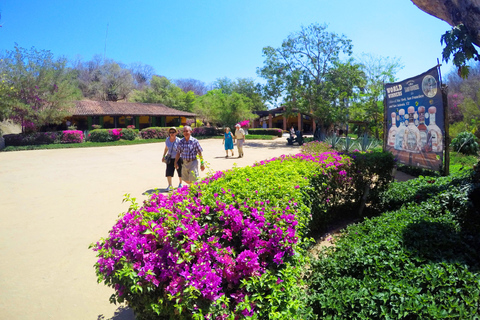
414	263
100	135
129	134
418	190
465	143
266	132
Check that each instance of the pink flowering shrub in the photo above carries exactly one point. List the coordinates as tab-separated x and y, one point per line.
228	247
244	123
72	136
154	133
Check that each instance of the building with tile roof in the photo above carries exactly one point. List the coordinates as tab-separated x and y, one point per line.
110	114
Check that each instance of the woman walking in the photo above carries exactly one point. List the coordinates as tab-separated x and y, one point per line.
228	141
169	155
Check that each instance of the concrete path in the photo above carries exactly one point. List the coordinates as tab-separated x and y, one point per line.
54	203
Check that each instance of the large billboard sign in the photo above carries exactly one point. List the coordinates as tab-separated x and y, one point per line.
415	120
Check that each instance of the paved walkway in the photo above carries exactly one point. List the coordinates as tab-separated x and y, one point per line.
54	203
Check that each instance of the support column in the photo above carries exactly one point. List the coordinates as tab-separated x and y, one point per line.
284	123
299	122
270	118
137	122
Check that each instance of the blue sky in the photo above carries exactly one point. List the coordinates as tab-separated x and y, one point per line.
211	39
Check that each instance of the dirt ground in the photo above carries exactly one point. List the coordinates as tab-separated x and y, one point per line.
54	203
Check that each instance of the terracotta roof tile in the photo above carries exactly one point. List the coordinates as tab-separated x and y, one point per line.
97	108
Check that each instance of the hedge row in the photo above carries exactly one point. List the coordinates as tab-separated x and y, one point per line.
162	132
97	135
106	135
39	138
266	132
421	261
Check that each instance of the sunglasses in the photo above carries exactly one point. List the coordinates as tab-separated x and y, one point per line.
172	132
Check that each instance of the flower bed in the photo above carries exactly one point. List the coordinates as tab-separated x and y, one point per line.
231	245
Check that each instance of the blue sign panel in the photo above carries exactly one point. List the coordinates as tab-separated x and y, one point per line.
415	120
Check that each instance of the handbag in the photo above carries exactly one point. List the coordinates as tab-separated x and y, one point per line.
168	157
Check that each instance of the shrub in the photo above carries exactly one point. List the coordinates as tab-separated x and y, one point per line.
72	136
45	137
414	263
129	134
267	132
465	143
107	135
35	138
154	133
204	131
115	134
230	246
100	135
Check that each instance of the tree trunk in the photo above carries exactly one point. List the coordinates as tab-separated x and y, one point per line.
455	12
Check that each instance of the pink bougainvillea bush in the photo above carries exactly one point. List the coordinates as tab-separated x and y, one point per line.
72	136
231	246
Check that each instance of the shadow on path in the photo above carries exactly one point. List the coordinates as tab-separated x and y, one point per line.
122	313
152	191
270	145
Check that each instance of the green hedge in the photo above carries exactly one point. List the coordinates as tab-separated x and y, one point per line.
267	132
419	262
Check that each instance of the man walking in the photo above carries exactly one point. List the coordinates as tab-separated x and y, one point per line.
240	137
187	149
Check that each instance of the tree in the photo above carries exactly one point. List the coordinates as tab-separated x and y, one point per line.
105	80
464	17
36	88
302	72
243	86
141	73
377	71
198	87
162	90
224	109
